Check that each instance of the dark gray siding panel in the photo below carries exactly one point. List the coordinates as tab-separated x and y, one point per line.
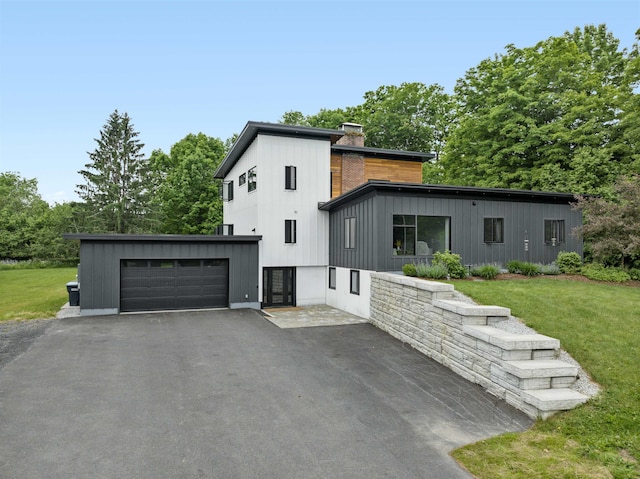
100	267
521	220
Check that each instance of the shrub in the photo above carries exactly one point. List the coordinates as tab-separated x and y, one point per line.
569	262
452	262
515	266
598	272
530	269
36	264
550	269
409	269
634	273
434	271
522	267
485	271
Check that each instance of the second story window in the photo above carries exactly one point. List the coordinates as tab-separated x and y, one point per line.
242	179
289	231
289	177
252	182
349	233
227	191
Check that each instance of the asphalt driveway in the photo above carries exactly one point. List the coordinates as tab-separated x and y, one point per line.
227	394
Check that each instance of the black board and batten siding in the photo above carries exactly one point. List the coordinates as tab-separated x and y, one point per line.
117	267
523	216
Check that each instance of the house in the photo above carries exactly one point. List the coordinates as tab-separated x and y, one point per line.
274	179
331	211
309	214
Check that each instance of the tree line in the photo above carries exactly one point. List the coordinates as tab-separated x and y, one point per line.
562	115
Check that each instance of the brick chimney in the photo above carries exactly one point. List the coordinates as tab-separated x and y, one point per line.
353	135
352	162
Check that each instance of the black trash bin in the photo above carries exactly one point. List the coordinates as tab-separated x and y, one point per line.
74	293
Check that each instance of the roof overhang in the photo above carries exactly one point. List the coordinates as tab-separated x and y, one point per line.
445	191
163	238
383	153
252	129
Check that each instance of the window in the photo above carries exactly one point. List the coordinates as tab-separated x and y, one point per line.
253	179
404	234
289	231
420	235
349	233
355	282
290	177
553	232
242	179
332	278
225	230
494	230
227	191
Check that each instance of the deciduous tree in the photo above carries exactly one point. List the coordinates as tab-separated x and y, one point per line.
539	117
612	227
187	194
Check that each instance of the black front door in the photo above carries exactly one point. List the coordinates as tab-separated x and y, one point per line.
278	287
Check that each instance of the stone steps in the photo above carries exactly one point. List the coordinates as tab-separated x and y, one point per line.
542	380
511	341
473	313
522	369
550	401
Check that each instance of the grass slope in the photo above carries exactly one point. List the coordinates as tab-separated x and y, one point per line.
33	293
599	325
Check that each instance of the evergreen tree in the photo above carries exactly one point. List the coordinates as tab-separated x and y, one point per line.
117	176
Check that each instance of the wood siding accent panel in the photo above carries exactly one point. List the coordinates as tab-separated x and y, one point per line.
336	174
396	171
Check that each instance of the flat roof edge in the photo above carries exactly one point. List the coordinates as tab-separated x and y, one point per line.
165	238
446	190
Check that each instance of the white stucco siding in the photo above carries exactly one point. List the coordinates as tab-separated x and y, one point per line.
309	282
242	211
342	298
312	161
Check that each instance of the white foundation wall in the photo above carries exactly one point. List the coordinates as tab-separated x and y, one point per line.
311	284
342	298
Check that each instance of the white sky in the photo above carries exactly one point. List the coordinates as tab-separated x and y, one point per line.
179	67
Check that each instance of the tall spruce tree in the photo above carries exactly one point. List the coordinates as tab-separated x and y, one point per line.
115	192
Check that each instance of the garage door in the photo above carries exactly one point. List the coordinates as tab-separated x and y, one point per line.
148	285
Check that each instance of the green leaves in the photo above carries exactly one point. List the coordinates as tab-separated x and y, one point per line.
187	194
613	226
550	117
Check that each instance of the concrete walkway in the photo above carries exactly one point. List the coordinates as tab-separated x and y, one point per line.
226	394
310	316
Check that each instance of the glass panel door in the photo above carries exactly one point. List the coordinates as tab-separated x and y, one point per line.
278	287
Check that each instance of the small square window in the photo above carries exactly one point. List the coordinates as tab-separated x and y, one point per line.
290	177
355	282
553	232
242	179
332	278
289	231
494	230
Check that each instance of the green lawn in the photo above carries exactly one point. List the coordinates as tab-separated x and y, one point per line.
599	325
33	293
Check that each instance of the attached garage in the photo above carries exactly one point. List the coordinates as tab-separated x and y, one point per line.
127	273
157	284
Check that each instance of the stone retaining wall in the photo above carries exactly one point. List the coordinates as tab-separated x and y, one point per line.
521	369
